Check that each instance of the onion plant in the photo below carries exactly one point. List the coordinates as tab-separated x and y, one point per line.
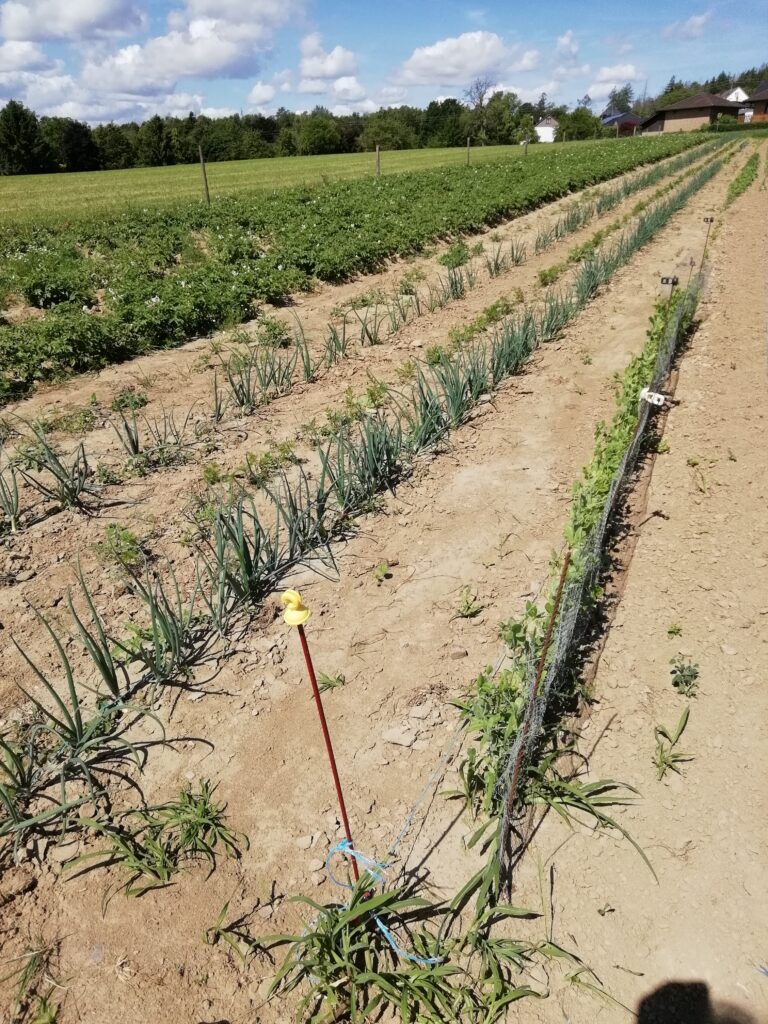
10	508
67	483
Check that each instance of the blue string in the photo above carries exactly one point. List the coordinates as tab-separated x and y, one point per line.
376	871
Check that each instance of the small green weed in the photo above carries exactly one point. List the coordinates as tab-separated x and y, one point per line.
327	682
35	982
685	674
382	572
406	372
129	398
76	421
550	274
457	256
410	279
121	546
666	757
376	394
273	332
153	844
260	469
106	475
675	629
212	473
235	935
469	608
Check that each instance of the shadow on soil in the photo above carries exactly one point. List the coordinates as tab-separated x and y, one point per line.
689	1002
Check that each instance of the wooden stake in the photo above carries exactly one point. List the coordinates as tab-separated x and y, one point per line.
468	147
206	193
378	161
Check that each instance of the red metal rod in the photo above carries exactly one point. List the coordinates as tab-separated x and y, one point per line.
328	745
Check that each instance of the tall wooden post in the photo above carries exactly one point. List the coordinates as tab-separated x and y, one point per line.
469	143
378	161
206	193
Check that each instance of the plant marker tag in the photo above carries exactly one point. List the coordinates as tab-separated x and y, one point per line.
669	280
709	220
652	397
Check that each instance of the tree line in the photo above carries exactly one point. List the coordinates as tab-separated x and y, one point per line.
32	145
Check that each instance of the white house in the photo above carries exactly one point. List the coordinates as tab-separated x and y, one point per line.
736	95
545	129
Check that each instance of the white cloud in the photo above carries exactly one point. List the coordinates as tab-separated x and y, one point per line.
366	106
612	77
458	59
602	90
393	95
692	28
316	63
313	86
67	19
261	93
618	72
23	56
529	94
477	14
528	61
625	48
572	71
205	39
216	111
567	45
200	52
348	88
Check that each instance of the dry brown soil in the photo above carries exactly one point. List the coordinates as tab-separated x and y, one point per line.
697	937
485	512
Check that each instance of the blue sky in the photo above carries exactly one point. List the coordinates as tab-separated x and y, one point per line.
129	59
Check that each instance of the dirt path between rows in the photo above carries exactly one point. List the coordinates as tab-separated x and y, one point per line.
693	947
485	513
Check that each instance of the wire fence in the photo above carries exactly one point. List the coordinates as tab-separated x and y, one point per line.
574	617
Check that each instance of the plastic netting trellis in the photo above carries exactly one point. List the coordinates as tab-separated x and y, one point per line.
574	616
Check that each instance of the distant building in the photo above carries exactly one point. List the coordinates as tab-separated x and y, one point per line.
755	108
689	114
622	123
735	94
545	129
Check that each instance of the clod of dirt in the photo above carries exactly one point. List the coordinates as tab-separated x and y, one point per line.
15	883
400	736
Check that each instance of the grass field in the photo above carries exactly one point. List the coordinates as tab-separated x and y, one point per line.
25	198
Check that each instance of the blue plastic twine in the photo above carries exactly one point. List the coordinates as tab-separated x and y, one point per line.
376	871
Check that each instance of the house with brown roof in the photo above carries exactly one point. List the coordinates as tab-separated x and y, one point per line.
689	114
755	109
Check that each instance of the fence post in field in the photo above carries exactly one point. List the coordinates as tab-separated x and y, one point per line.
378	161
206	193
468	149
